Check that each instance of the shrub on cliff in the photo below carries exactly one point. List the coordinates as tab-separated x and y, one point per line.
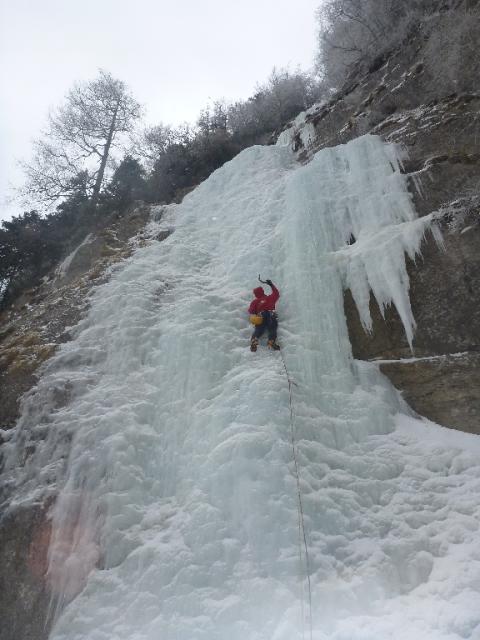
354	34
127	184
179	158
27	250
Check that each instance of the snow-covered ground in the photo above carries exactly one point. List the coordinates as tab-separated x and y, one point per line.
179	514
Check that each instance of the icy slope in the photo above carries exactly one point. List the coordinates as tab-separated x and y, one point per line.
179	513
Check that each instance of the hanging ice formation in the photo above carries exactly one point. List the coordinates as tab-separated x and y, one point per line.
177	511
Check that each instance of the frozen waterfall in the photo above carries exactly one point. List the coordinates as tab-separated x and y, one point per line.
177	517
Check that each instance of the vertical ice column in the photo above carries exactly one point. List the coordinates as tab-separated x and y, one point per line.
357	190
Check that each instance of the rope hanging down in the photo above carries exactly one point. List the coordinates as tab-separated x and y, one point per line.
301	519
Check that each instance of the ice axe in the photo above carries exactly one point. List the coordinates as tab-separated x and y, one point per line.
262	281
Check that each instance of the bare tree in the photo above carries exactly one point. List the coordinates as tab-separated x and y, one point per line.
80	136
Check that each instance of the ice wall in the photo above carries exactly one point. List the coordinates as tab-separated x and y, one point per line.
178	512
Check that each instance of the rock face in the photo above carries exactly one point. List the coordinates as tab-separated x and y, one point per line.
398	101
443	387
24	537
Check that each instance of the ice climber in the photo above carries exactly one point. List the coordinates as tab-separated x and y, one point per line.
263	316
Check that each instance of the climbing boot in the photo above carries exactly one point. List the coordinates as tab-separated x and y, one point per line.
272	344
253	344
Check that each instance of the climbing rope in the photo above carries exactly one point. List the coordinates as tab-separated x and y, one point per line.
301	520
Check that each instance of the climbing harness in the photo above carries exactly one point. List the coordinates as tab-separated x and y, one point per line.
302	538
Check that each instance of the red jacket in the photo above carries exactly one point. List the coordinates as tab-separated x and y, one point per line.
263	302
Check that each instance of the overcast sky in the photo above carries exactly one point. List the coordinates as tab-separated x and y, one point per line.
174	55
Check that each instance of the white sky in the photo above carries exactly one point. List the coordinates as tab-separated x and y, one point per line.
174	56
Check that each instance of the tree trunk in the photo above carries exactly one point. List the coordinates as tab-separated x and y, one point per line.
103	164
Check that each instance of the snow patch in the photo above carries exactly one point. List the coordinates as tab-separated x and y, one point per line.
62	268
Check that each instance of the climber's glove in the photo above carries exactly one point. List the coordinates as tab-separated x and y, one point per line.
269	282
